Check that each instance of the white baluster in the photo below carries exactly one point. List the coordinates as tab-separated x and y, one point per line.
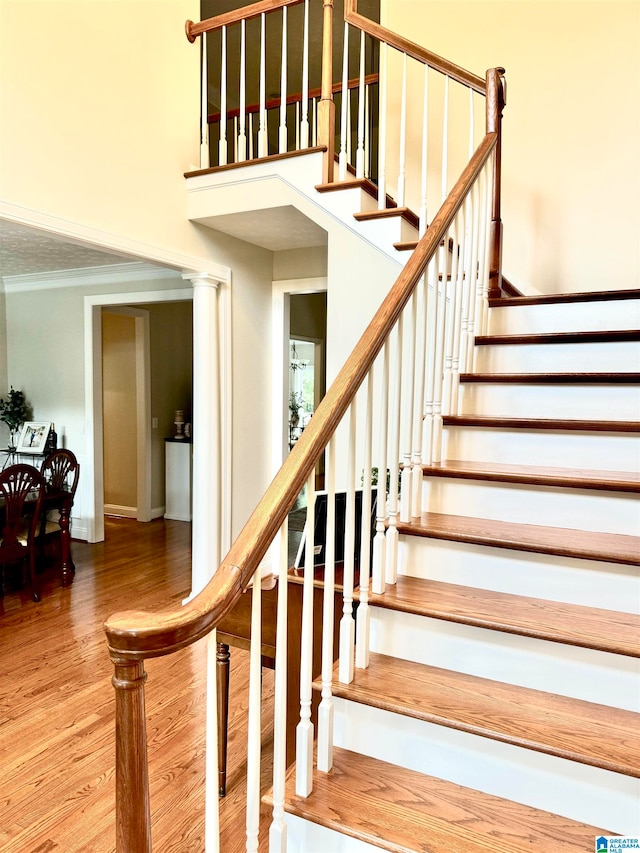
465	330
212	797
282	136
419	403
391	569
364	615
235	139
379	542
250	136
403	135
471	124
443	312
314	120
433	308
297	125
222	143
242	133
325	709
425	154
459	226
204	118
483	255
263	141
367	133
407	410
278	828
344	130
473	278
304	124
347	628
445	140
304	730
360	153
255	701
382	130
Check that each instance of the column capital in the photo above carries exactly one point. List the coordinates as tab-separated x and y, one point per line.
202	279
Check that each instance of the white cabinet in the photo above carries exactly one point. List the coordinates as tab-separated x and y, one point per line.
178	479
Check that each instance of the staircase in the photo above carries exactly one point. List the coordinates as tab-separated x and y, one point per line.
500	708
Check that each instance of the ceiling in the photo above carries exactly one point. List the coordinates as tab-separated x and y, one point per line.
27	251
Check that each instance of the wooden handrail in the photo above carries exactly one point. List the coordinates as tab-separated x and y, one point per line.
274	103
438	63
235	16
135	635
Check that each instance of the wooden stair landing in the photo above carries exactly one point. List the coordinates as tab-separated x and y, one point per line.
534	538
533	475
407	812
542	619
573	729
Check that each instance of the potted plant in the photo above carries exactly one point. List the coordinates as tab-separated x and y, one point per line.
14	412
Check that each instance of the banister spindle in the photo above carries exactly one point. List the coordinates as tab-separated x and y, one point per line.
304	103
213	782
433	309
242	118
347	627
204	118
282	135
254	728
363	621
133	813
439	349
382	134
408	408
445	140
425	154
457	275
327	107
278	828
222	143
403	135
344	127
419	410
379	542
391	568
360	152
325	709
304	730
263	141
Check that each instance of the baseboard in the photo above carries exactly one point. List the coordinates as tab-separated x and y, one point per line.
121	511
158	512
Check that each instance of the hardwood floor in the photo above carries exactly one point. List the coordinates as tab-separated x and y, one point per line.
57	705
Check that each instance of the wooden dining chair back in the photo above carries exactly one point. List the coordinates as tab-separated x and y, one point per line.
21	494
61	471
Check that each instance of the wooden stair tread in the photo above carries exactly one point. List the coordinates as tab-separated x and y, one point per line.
542	619
535	475
588	733
554	298
558	424
404	212
356	183
560	541
407	812
629	378
559	338
270	158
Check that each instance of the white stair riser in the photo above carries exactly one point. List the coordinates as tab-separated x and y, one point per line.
613	512
569	449
558	358
387	231
609	315
590	583
588	402
525	661
578	791
303	836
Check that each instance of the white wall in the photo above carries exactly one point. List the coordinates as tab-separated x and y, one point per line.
571	203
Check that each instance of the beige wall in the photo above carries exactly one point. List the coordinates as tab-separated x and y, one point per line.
571	206
99	106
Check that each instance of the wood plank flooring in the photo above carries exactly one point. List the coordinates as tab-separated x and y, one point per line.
57	786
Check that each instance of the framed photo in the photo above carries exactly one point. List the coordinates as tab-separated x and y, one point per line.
33	437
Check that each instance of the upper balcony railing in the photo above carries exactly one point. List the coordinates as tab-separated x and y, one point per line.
384	410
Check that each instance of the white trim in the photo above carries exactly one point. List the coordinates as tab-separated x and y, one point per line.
280	329
117	243
120	511
105	274
157	512
94	471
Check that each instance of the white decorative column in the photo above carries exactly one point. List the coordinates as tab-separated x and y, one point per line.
206	537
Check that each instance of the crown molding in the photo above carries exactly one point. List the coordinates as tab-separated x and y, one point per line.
115	243
107	274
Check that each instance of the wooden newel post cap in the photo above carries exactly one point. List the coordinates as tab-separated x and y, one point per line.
187	28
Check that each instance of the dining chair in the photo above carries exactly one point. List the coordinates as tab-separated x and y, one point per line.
21	494
60	471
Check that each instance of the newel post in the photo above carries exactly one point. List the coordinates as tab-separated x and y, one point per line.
133	812
496	100
326	106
